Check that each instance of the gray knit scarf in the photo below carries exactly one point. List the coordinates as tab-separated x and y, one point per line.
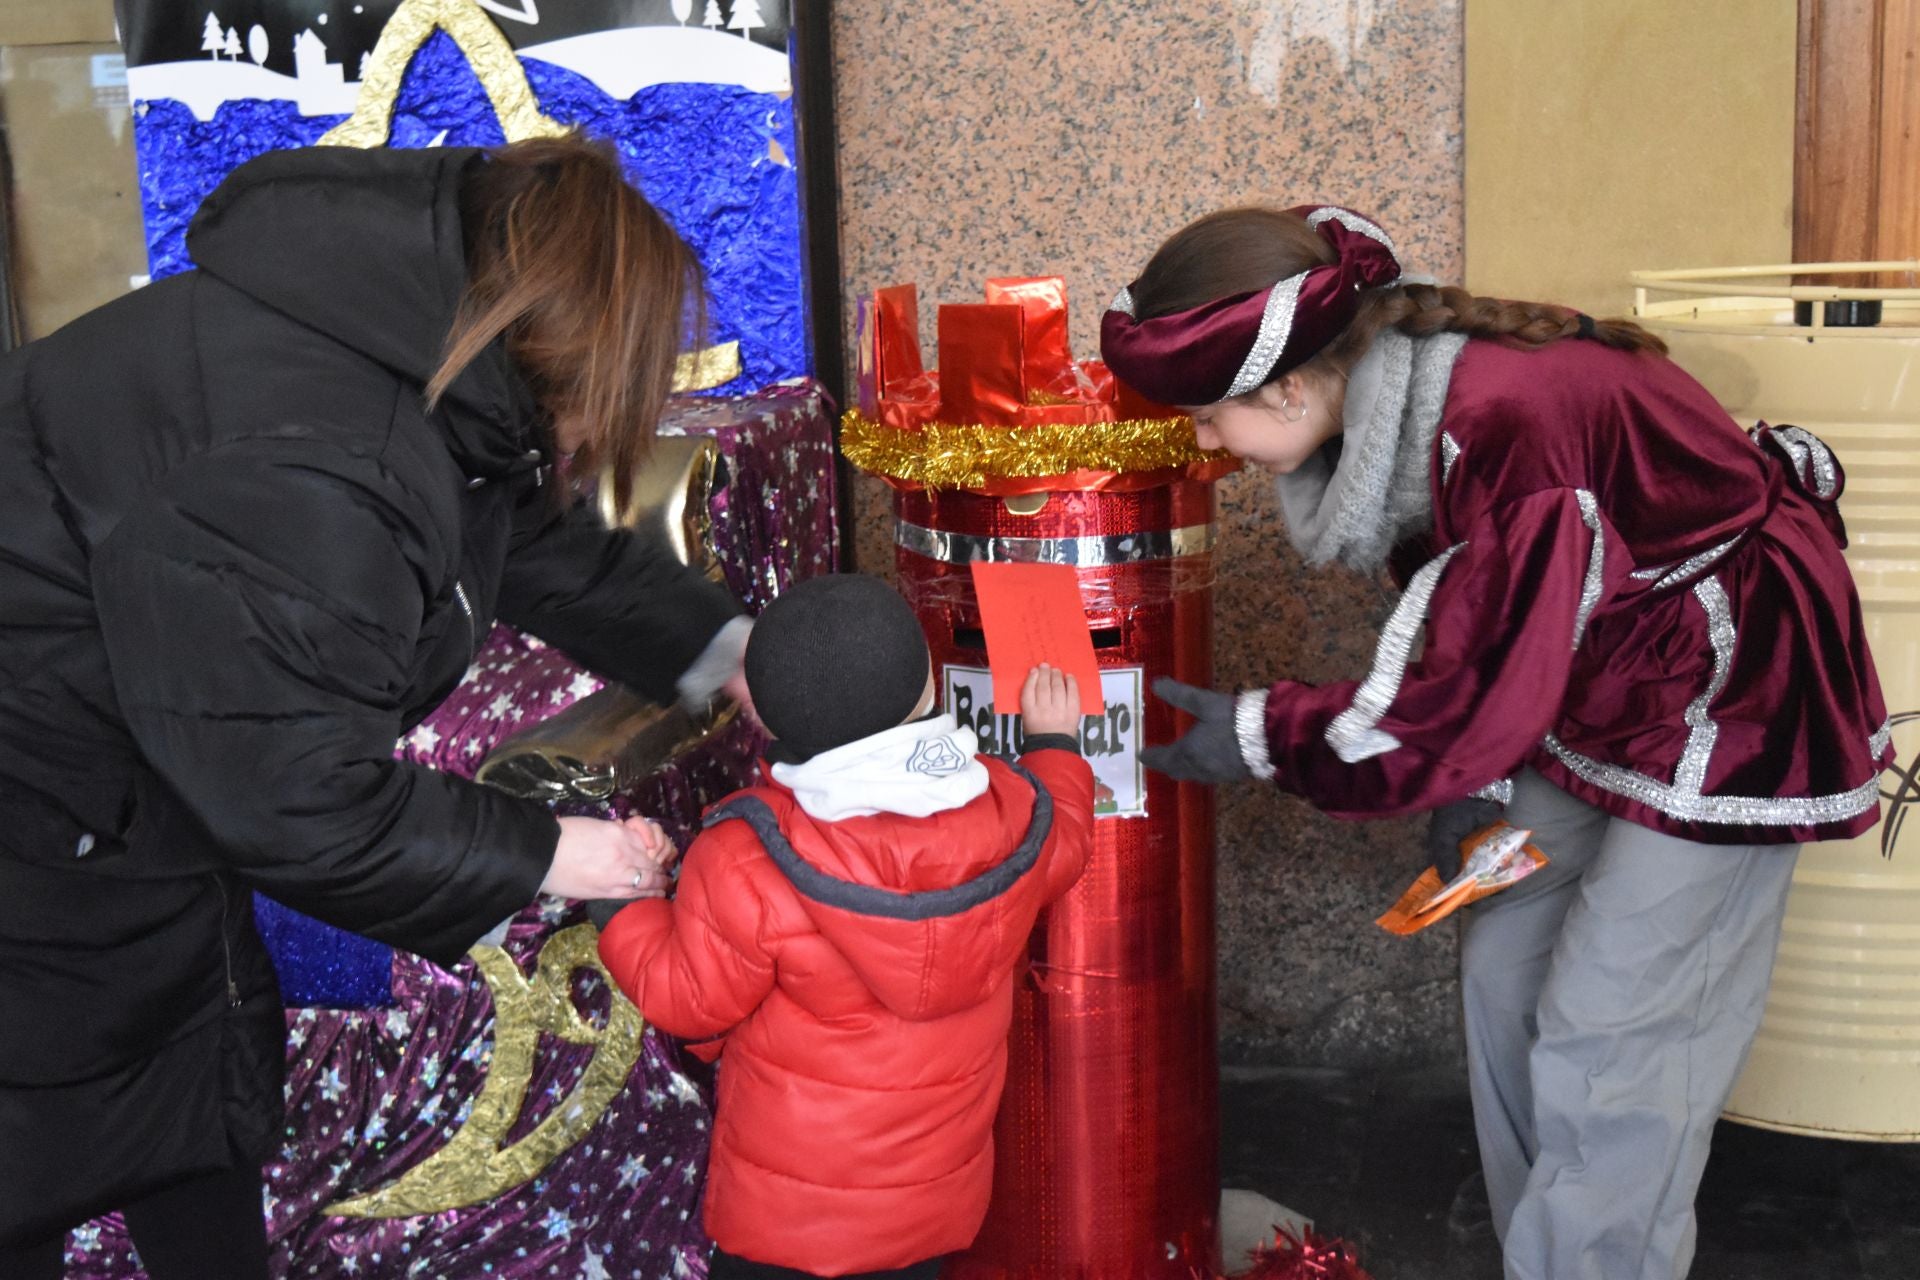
1354	510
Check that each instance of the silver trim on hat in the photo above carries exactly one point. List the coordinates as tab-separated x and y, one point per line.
1276	326
1352	222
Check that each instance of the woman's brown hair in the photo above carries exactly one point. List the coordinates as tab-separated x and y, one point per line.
1244	250
591	287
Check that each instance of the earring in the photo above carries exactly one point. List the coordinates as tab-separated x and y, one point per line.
1290	411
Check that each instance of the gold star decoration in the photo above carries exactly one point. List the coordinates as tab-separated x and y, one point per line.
486	51
505	80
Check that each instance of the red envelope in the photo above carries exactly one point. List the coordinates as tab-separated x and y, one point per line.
1031	613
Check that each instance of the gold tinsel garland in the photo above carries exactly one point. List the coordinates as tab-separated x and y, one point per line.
946	455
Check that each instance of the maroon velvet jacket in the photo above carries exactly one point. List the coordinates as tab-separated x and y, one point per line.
1624	591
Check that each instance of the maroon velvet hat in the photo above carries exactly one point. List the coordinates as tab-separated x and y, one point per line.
1230	346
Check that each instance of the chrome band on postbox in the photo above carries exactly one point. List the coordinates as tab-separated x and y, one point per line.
1086	553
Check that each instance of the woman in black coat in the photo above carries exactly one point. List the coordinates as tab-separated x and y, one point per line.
254	521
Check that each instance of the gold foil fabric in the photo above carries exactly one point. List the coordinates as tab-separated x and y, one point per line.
486	50
475	1166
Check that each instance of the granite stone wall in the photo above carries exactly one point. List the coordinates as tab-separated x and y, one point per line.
1070	137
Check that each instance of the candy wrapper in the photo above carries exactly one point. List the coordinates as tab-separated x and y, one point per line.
1490	860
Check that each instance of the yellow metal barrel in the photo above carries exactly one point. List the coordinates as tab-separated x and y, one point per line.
1838	1054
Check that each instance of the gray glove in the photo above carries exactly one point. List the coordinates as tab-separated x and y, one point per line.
1210	750
1448	825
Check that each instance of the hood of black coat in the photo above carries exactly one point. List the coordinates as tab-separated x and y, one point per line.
366	248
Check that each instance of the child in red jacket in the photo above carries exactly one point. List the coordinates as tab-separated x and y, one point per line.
850	932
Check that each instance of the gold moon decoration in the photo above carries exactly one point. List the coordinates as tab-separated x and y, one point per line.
487	52
474	1166
707	368
505	80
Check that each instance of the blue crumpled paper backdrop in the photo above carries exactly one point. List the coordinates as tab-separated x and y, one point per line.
703	153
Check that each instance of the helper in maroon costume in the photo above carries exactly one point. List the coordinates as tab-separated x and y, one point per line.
1620	588
1624	591
1229	346
1640	637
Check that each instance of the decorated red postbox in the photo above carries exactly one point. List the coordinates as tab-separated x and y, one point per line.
1107	1139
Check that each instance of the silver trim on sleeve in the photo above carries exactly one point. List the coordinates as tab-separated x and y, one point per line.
1355	734
1250	728
1596	565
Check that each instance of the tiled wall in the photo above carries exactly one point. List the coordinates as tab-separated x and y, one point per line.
1070	137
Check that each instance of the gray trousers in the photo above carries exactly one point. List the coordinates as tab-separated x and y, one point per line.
1610	1000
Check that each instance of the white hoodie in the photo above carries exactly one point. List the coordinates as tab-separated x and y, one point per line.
915	770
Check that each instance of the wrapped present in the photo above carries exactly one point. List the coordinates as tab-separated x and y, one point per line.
1008	411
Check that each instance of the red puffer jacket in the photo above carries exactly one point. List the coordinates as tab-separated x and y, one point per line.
862	972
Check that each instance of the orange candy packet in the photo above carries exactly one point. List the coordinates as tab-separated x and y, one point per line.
1490	860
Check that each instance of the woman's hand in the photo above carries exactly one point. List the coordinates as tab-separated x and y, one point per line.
600	859
1050	702
659	845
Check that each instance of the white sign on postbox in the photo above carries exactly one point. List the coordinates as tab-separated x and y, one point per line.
1110	742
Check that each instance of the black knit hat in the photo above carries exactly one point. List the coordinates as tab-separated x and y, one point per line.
833	660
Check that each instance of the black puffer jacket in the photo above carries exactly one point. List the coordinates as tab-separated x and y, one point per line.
237	561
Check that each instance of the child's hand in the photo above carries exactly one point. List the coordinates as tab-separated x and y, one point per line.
599	859
1050	702
655	843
